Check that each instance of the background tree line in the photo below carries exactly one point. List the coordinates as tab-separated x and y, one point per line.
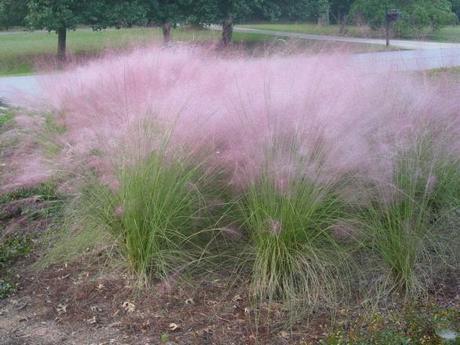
63	15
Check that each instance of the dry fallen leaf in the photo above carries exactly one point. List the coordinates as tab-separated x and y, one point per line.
237	298
284	334
173	326
92	321
129	307
95	308
145	325
61	309
64	277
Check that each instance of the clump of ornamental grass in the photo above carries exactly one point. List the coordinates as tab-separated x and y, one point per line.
295	259
159	214
289	213
158	210
404	230
165	204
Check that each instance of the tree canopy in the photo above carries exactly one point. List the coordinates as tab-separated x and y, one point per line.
456	8
166	13
415	14
54	15
58	16
12	13
101	14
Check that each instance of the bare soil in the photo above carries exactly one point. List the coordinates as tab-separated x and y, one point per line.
83	303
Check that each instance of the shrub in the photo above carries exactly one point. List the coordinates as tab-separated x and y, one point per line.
6	289
5	118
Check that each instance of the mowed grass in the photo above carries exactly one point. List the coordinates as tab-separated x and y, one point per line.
449	74
446	34
21	52
309	28
25	52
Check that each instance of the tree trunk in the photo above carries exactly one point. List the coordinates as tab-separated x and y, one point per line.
343	23
324	12
62	43
227	31
166	32
387	32
323	20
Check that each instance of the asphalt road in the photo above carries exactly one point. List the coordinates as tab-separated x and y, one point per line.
13	90
404	44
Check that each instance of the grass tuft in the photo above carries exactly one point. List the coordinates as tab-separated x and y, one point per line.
404	229
295	258
158	213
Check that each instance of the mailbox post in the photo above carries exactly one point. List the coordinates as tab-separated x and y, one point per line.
391	16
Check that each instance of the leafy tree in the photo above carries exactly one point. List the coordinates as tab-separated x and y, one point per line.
340	10
224	12
167	13
289	10
268	10
227	12
63	15
12	13
126	14
415	14
456	8
114	13
301	10
58	16
433	13
372	11
323	9
201	12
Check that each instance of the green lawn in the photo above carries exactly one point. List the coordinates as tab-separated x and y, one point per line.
21	52
452	74
307	28
447	34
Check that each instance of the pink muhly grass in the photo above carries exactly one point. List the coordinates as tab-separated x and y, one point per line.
431	184
275	227
235	113
295	137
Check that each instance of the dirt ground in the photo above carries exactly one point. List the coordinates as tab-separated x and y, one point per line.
70	304
88	302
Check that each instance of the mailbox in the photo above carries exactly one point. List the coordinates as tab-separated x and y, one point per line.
392	15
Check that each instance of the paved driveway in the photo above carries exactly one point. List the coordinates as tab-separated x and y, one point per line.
423	55
12	88
404	44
